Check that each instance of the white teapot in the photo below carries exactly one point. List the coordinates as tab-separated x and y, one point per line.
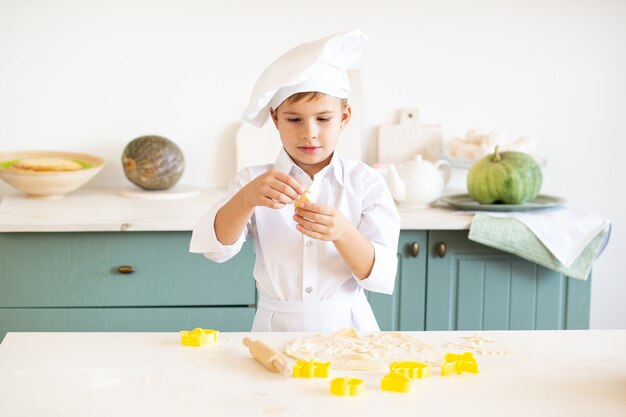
417	183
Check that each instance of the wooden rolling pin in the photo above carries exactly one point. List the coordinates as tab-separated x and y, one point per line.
268	356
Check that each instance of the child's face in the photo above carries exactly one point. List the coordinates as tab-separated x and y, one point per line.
309	129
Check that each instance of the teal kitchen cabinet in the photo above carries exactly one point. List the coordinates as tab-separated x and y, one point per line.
473	287
447	282
148	281
120	281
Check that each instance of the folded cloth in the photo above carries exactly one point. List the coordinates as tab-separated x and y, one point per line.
564	239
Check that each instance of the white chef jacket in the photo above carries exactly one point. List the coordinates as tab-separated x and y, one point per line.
303	283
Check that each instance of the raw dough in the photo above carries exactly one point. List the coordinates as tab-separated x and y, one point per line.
476	344
346	349
304	198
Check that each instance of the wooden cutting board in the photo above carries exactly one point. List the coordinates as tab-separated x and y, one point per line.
256	146
401	141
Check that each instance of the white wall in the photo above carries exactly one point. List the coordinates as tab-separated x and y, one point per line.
92	75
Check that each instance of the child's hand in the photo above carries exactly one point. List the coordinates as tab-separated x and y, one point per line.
321	222
274	189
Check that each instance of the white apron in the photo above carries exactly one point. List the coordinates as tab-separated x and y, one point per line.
315	316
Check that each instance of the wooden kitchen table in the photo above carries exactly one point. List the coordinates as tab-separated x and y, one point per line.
546	373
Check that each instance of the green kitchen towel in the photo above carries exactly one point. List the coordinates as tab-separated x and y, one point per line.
511	235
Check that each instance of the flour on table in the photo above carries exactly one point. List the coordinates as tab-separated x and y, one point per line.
478	344
346	349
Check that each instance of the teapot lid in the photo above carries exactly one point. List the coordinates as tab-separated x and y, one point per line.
419	161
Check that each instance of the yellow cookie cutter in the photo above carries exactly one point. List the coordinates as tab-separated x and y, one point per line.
310	369
348	386
459	363
396	382
198	337
410	369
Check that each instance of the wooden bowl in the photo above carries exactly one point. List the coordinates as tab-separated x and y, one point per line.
48	184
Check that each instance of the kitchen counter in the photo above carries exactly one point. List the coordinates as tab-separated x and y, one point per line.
551	373
106	210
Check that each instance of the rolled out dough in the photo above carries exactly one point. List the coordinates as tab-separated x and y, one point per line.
346	349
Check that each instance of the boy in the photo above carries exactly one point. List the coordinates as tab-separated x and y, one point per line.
314	260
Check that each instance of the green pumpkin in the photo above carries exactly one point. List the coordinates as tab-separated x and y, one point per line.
504	177
153	162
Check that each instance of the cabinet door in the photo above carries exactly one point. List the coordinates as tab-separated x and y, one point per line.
472	287
82	270
405	308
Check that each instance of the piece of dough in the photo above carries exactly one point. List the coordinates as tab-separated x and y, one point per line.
302	199
346	349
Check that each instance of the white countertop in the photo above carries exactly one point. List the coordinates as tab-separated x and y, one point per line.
546	373
106	210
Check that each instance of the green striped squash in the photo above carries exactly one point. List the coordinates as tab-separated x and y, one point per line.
153	162
504	177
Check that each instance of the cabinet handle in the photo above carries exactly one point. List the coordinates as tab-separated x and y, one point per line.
441	249
125	269
415	249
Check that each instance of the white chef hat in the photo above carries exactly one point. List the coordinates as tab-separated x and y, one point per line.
314	66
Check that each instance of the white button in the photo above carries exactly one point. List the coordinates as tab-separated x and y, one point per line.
309	290
309	243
